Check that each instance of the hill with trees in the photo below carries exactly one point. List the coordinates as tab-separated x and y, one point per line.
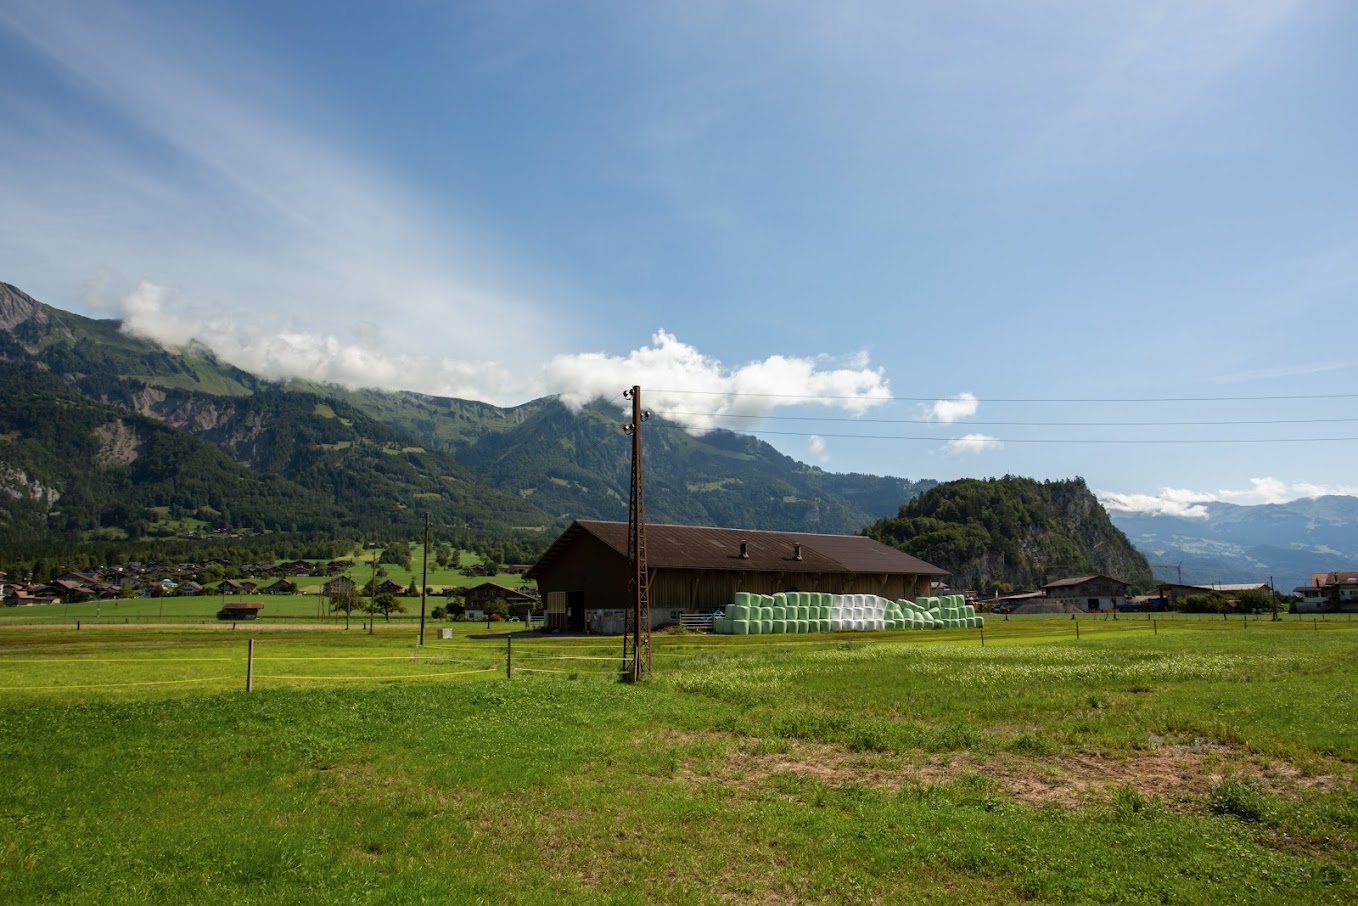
1013	533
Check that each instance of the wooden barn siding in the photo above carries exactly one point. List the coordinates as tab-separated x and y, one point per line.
593	568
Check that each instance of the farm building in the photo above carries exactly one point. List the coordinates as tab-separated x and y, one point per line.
240	610
1088	594
1174	593
583	576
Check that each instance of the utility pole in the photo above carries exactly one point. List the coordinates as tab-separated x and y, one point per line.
636	547
424	576
372	597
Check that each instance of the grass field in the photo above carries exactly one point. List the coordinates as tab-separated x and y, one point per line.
1178	762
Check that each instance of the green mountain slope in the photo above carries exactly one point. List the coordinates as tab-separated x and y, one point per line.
577	465
382	459
1013	530
72	468
373	479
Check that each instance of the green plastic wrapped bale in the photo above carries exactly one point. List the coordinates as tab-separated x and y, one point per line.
780	600
740	627
766	600
743	598
778	627
756	628
766	626
778	612
740	611
980	621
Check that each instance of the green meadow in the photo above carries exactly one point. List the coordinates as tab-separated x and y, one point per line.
1189	761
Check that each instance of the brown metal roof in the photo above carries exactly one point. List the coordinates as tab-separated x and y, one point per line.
701	547
1080	580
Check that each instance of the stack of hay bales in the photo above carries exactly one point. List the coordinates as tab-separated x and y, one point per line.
797	612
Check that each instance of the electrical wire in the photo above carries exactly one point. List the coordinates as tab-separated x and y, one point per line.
937	399
934	421
1035	440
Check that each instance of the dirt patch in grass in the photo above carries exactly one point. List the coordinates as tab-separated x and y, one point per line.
1178	775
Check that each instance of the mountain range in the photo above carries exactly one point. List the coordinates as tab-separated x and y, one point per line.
105	435
1231	543
90	412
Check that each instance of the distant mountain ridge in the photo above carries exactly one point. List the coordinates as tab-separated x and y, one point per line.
376	460
1233	543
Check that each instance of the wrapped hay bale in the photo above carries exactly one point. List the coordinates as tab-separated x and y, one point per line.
743	599
740	627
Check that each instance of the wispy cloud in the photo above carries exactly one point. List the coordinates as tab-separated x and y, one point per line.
964	405
1154	63
1189	503
1299	369
222	180
817	449
973	444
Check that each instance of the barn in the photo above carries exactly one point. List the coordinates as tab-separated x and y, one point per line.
583	576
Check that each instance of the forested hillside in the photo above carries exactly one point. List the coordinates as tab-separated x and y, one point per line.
305	458
1013	533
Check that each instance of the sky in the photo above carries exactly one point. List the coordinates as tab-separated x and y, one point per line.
926	238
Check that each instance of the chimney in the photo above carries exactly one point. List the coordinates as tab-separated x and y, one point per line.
796	552
744	550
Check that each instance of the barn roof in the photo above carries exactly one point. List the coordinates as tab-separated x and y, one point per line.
1073	581
702	547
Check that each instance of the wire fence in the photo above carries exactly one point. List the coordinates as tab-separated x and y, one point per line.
524	654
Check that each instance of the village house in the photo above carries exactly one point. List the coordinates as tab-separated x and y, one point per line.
1326	590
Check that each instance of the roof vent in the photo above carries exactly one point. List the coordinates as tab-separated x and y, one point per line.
744	550
796	552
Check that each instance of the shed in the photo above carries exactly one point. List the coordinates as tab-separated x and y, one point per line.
696	569
240	610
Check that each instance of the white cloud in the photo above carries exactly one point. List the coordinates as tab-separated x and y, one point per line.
677	380
1169	503
1188	503
817	449
973	444
964	405
695	390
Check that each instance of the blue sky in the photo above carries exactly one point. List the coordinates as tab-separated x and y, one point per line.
930	239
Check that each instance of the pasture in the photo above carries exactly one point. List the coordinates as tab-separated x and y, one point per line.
1178	762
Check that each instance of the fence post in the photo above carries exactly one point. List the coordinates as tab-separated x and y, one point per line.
250	667
1077	629
982	635
1155	627
509	657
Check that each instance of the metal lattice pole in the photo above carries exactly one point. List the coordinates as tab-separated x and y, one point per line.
640	616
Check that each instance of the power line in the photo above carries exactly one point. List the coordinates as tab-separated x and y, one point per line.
934	421
944	399
1045	440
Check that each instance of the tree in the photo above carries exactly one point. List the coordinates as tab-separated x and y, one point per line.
343	602
496	607
1256	600
386	605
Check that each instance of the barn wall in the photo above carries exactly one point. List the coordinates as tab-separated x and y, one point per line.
591	568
